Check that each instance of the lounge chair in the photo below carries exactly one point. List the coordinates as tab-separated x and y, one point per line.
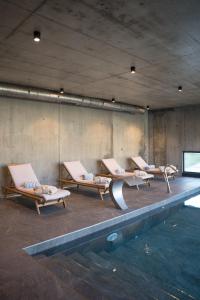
168	171
131	178
23	180
78	175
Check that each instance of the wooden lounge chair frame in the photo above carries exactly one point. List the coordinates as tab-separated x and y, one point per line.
66	182
114	188
158	172
11	191
115	176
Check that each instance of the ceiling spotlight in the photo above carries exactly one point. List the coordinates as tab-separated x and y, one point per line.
132	69
36	36
147	107
113	100
180	88
61	91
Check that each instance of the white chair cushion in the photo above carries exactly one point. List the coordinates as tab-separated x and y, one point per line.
140	162
75	169
111	165
143	175
22	173
58	195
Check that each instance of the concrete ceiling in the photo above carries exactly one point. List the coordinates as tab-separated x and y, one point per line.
88	46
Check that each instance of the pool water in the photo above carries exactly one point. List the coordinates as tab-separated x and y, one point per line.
161	263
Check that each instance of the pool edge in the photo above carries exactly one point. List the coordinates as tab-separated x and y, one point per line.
80	233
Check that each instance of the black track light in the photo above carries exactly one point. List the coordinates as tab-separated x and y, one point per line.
36	36
113	100
61	91
180	89
147	107
133	70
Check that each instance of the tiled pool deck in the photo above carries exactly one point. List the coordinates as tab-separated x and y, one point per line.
21	277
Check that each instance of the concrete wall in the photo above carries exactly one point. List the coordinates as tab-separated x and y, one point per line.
46	134
171	132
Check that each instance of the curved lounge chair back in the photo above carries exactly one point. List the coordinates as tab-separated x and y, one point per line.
140	162
75	169
22	173
111	165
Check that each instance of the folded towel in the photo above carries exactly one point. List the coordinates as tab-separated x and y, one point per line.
146	168
88	176
46	189
30	184
139	173
102	180
120	171
151	166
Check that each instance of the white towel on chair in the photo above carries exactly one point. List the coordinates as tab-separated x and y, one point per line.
102	180
46	189
120	171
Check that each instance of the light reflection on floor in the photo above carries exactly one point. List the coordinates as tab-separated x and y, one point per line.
194	202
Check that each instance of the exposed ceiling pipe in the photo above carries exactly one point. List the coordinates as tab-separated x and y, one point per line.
38	94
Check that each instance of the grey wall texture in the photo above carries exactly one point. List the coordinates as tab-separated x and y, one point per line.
47	134
171	132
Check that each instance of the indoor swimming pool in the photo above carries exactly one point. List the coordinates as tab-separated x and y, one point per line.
154	258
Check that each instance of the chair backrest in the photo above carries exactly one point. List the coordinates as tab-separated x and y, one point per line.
111	165
22	173
140	162
75	169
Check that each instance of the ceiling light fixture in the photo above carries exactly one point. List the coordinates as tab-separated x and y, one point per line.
113	100
180	88
148	107
61	91
132	69
36	36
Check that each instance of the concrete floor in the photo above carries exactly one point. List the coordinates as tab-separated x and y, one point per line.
22	277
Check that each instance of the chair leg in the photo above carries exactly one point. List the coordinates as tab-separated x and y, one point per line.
101	195
4	191
37	207
64	204
167	182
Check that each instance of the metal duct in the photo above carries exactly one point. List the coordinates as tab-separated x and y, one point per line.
32	93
